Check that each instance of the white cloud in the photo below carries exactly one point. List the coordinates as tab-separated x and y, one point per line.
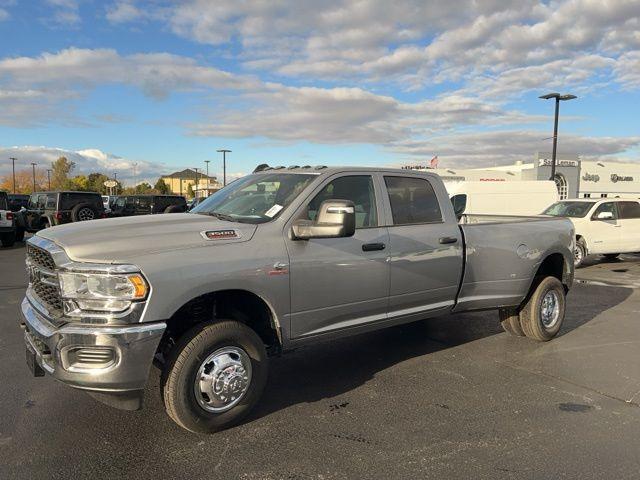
627	70
87	161
124	12
506	146
65	12
4	15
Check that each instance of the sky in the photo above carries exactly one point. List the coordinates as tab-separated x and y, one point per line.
164	84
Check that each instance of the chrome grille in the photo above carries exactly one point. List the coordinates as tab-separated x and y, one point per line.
49	297
43	280
40	257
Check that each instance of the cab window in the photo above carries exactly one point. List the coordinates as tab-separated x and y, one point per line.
357	188
412	200
51	200
629	210
606	207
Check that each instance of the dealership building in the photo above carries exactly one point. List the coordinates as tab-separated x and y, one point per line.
575	178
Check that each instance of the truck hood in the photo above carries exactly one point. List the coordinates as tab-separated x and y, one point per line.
116	240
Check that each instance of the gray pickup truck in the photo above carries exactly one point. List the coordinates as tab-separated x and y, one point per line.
278	259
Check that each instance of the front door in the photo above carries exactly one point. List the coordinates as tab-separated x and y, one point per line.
604	234
340	283
425	254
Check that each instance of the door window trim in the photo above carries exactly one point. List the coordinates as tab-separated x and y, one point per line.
387	201
305	202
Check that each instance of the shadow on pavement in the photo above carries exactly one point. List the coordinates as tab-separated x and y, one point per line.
331	369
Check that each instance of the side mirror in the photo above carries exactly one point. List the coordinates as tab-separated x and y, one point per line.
605	216
336	218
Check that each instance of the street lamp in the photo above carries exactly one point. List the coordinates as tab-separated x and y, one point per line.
195	194
13	169
33	165
49	178
207	162
224	165
558	98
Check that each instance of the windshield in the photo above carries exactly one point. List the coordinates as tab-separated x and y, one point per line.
255	198
569	209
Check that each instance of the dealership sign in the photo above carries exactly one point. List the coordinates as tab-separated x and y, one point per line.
589	177
620	178
545	162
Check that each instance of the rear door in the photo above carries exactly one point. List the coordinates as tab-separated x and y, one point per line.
629	221
425	247
604	234
339	283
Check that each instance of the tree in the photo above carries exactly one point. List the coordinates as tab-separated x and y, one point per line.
190	193
143	187
96	181
24	181
61	169
79	183
161	187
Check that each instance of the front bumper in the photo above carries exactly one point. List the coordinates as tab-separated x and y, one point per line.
114	360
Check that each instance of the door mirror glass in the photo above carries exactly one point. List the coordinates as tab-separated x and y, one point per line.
335	219
459	203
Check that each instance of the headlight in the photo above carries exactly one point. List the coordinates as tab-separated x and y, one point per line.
102	292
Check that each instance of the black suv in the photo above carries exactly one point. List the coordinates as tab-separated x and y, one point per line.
47	209
17	201
128	205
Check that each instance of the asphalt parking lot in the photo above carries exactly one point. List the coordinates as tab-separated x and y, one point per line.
446	398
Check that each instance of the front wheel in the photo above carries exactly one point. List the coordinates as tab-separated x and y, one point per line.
579	253
214	376
542	315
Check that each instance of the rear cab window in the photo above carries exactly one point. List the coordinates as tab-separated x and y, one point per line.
628	210
412	200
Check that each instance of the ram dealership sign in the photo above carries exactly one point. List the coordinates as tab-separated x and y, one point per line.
620	178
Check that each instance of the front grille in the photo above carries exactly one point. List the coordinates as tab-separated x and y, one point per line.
40	257
49	297
44	283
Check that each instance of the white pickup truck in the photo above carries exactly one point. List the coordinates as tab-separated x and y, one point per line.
604	226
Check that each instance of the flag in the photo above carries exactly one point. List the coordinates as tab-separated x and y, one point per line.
434	162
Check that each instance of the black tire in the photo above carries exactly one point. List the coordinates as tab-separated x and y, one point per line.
580	253
8	239
611	256
173	209
510	321
83	212
531	318
183	365
20	234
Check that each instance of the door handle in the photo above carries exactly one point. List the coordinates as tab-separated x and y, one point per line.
370	247
445	240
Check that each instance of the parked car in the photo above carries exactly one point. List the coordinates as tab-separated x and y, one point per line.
528	197
277	260
603	226
18	201
128	205
8	228
47	209
194	202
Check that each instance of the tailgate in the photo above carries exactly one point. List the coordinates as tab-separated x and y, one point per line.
6	218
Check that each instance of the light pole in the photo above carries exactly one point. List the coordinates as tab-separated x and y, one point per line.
207	162
115	179
13	169
33	166
558	98
224	165
49	178
195	194
134	177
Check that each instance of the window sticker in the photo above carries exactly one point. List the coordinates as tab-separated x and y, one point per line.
273	210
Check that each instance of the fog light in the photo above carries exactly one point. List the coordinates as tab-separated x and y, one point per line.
88	358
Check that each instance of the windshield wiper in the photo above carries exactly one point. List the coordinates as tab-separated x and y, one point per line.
221	216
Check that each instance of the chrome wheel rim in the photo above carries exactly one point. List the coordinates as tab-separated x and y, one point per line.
577	255
85	214
223	379
550	309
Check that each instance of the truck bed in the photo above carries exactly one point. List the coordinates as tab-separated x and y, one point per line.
503	254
